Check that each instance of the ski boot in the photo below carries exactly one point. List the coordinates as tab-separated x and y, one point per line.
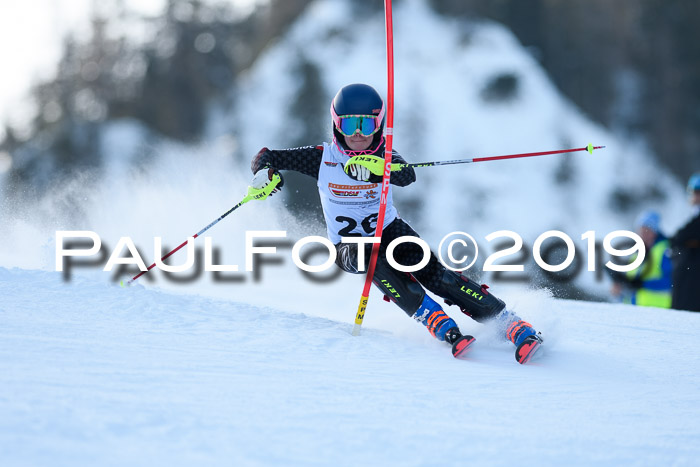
442	327
521	333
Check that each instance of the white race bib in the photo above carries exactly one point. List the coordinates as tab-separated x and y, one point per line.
350	207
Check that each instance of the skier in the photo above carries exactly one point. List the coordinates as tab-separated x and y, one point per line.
686	255
348	173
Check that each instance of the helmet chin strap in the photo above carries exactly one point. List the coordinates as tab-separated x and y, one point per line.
364	152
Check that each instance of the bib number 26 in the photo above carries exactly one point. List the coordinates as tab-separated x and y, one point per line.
369	224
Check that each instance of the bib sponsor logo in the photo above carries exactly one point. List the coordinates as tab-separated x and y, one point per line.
344	193
353	191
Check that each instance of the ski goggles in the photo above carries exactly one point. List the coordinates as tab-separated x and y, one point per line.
348	125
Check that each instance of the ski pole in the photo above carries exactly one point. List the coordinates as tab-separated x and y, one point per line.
396	167
253	194
389	132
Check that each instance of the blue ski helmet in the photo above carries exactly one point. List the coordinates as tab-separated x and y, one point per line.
694	182
358	107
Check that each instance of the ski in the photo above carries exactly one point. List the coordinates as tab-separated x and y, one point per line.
527	349
523	354
461	346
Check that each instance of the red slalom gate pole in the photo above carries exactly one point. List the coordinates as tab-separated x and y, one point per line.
389	139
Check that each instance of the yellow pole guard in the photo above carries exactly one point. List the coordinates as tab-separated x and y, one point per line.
360	316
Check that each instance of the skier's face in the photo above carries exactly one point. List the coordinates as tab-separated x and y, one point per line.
358	142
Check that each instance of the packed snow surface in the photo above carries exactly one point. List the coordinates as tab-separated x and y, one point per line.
95	374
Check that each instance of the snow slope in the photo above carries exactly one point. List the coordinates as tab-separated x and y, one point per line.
93	374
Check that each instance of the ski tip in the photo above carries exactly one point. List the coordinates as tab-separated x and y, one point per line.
461	346
527	350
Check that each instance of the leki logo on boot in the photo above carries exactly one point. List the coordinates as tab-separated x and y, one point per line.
390	288
471	292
